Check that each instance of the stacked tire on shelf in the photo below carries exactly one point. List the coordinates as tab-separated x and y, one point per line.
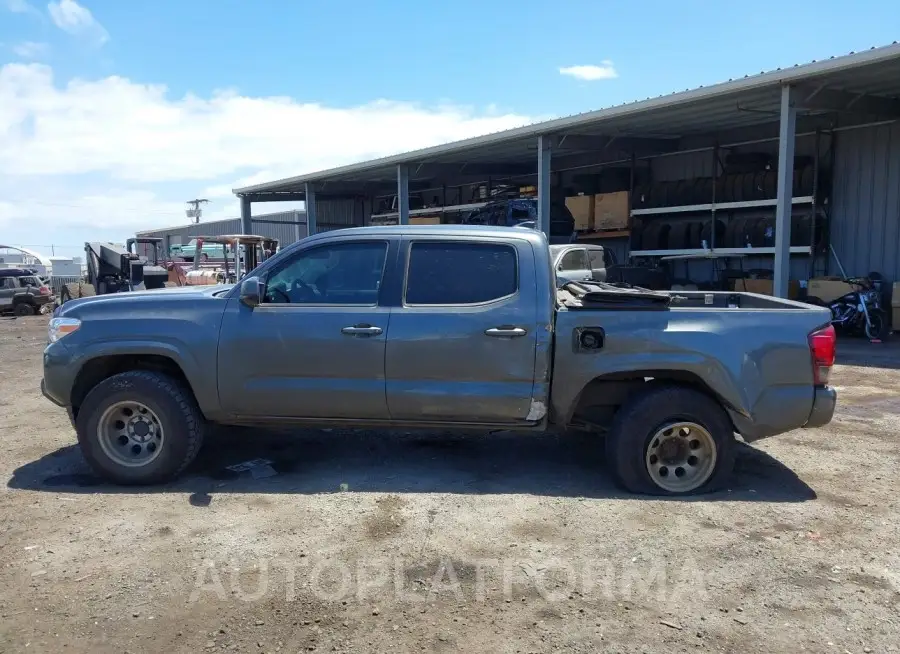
736	230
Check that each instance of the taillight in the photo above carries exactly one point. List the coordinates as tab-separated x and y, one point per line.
822	348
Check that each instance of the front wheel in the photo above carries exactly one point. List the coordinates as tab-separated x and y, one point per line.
671	440
876	327
140	427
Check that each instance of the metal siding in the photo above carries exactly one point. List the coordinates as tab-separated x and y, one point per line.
337	212
286	234
865	229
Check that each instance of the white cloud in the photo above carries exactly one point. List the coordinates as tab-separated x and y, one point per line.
591	73
71	17
31	50
113	152
20	7
134	132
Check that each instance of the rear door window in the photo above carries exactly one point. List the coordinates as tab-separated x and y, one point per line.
460	273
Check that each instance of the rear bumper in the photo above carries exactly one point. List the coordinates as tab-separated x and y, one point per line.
784	409
824	403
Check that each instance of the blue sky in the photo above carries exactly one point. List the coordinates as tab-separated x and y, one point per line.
114	112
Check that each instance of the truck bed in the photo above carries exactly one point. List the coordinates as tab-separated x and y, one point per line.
750	350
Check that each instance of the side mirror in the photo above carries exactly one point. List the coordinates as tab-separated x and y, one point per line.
251	291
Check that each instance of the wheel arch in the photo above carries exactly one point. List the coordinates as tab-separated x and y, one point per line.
99	368
612	391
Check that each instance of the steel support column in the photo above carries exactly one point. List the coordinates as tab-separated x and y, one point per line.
246	221
784	206
310	210
543	184
402	195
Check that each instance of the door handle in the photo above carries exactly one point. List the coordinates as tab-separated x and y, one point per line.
505	332
361	330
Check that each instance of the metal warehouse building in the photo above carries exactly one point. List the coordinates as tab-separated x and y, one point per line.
793	170
286	226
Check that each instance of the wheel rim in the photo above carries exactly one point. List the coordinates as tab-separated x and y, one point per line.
681	456
130	434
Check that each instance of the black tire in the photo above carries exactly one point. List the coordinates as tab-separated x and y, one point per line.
879	327
636	423
182	423
24	309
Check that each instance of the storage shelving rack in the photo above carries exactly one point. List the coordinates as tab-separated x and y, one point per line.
712	210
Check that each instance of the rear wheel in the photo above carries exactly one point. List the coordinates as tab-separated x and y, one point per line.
140	427
24	309
671	440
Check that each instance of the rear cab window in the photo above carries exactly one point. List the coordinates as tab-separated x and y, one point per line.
573	260
460	273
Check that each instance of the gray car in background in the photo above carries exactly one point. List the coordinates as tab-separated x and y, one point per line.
575	262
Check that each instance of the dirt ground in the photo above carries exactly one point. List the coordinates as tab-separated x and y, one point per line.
368	542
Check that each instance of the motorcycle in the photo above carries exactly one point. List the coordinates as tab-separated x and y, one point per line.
858	312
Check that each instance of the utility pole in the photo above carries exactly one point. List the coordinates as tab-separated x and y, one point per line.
196	211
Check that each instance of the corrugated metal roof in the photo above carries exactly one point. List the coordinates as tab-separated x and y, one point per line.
695	111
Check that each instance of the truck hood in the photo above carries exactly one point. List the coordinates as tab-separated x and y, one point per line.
156	299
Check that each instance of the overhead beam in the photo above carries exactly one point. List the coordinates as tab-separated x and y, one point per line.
276	197
629	144
426	170
824	99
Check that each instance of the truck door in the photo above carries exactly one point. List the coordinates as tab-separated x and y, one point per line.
461	345
315	346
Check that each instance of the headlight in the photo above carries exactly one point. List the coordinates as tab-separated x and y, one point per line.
60	327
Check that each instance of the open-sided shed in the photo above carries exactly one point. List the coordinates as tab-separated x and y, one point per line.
836	119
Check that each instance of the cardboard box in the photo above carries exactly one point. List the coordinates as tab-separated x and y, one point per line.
611	210
582	208
424	220
828	288
895	306
764	287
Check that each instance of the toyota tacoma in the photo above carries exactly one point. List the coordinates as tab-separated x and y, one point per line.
444	327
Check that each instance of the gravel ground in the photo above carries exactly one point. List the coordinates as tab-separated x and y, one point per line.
362	541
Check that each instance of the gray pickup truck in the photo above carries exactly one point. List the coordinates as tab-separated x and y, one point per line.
448	327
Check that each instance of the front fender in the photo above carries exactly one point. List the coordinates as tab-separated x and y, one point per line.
200	374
